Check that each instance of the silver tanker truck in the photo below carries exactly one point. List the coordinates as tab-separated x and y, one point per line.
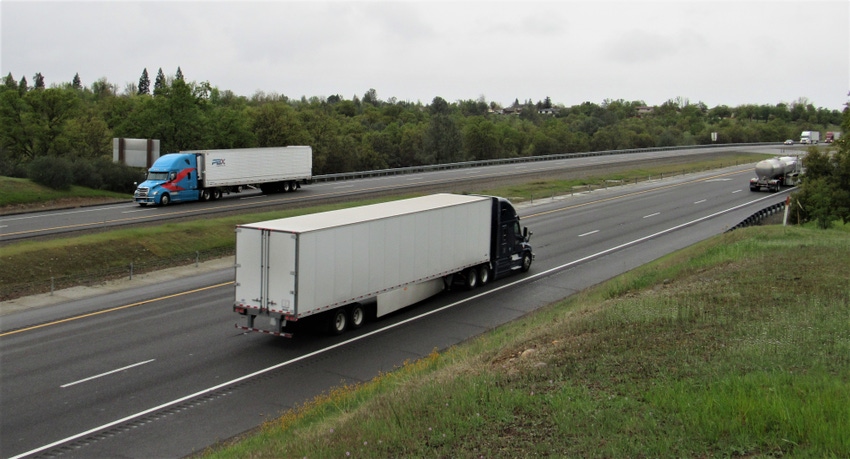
775	173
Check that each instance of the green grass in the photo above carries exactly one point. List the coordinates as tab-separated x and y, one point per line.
737	346
17	191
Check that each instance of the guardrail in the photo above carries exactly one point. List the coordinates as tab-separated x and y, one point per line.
758	217
522	159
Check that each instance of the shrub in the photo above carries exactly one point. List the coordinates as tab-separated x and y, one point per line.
51	171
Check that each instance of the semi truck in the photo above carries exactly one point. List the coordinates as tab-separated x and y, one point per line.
832	136
810	137
334	270
207	175
775	173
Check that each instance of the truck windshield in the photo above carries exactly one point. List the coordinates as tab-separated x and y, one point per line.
157	175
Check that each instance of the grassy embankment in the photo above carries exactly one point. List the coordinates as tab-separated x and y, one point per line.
24	193
32	266
737	346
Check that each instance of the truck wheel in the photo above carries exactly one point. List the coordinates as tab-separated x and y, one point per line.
286	187
164	200
216	194
483	274
526	262
471	278
205	195
338	322
357	315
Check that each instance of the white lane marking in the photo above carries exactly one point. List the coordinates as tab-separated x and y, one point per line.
106	374
700	201
588	233
718	180
343	186
253	197
652	215
737	191
377	331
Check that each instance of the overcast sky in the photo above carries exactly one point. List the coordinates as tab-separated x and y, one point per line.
717	52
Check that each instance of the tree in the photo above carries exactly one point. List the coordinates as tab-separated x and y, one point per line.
443	140
39	80
144	83
159	84
179	75
22	86
76	83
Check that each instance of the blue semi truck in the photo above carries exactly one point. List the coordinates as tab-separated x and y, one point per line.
207	175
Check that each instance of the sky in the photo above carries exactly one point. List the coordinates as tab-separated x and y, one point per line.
720	52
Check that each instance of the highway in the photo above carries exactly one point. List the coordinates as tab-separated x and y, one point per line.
65	222
163	372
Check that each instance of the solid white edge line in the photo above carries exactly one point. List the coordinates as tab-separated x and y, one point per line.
106	374
375	332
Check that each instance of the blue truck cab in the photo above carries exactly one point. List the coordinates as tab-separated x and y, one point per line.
172	178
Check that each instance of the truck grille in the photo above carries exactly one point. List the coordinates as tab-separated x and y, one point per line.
142	192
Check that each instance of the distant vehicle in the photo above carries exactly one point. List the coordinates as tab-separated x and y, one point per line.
775	173
832	136
336	268
206	175
809	137
789	142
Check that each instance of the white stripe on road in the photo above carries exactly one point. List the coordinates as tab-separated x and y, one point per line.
106	374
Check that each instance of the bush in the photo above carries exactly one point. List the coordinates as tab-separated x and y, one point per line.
87	174
119	177
51	171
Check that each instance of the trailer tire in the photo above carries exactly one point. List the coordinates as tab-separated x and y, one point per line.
286	187
471	278
483	275
357	314
526	262
204	195
338	321
164	200
216	194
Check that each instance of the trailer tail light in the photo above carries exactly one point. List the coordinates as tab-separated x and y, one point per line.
239	309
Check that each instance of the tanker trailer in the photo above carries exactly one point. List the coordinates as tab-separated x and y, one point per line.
775	173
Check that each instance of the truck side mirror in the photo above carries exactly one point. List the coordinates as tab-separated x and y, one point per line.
526	234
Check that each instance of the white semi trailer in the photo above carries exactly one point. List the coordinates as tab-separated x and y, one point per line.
336	268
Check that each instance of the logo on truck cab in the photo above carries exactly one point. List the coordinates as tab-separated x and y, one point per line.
217	162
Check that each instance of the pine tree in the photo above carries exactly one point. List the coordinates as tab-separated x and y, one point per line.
76	83
179	75
23	86
39	80
9	81
159	83
144	83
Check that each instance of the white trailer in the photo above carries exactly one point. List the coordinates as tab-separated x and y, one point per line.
809	137
372	259
223	168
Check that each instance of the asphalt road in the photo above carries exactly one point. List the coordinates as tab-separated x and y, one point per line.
64	221
162	372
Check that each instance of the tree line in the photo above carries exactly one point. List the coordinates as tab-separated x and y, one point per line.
77	124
